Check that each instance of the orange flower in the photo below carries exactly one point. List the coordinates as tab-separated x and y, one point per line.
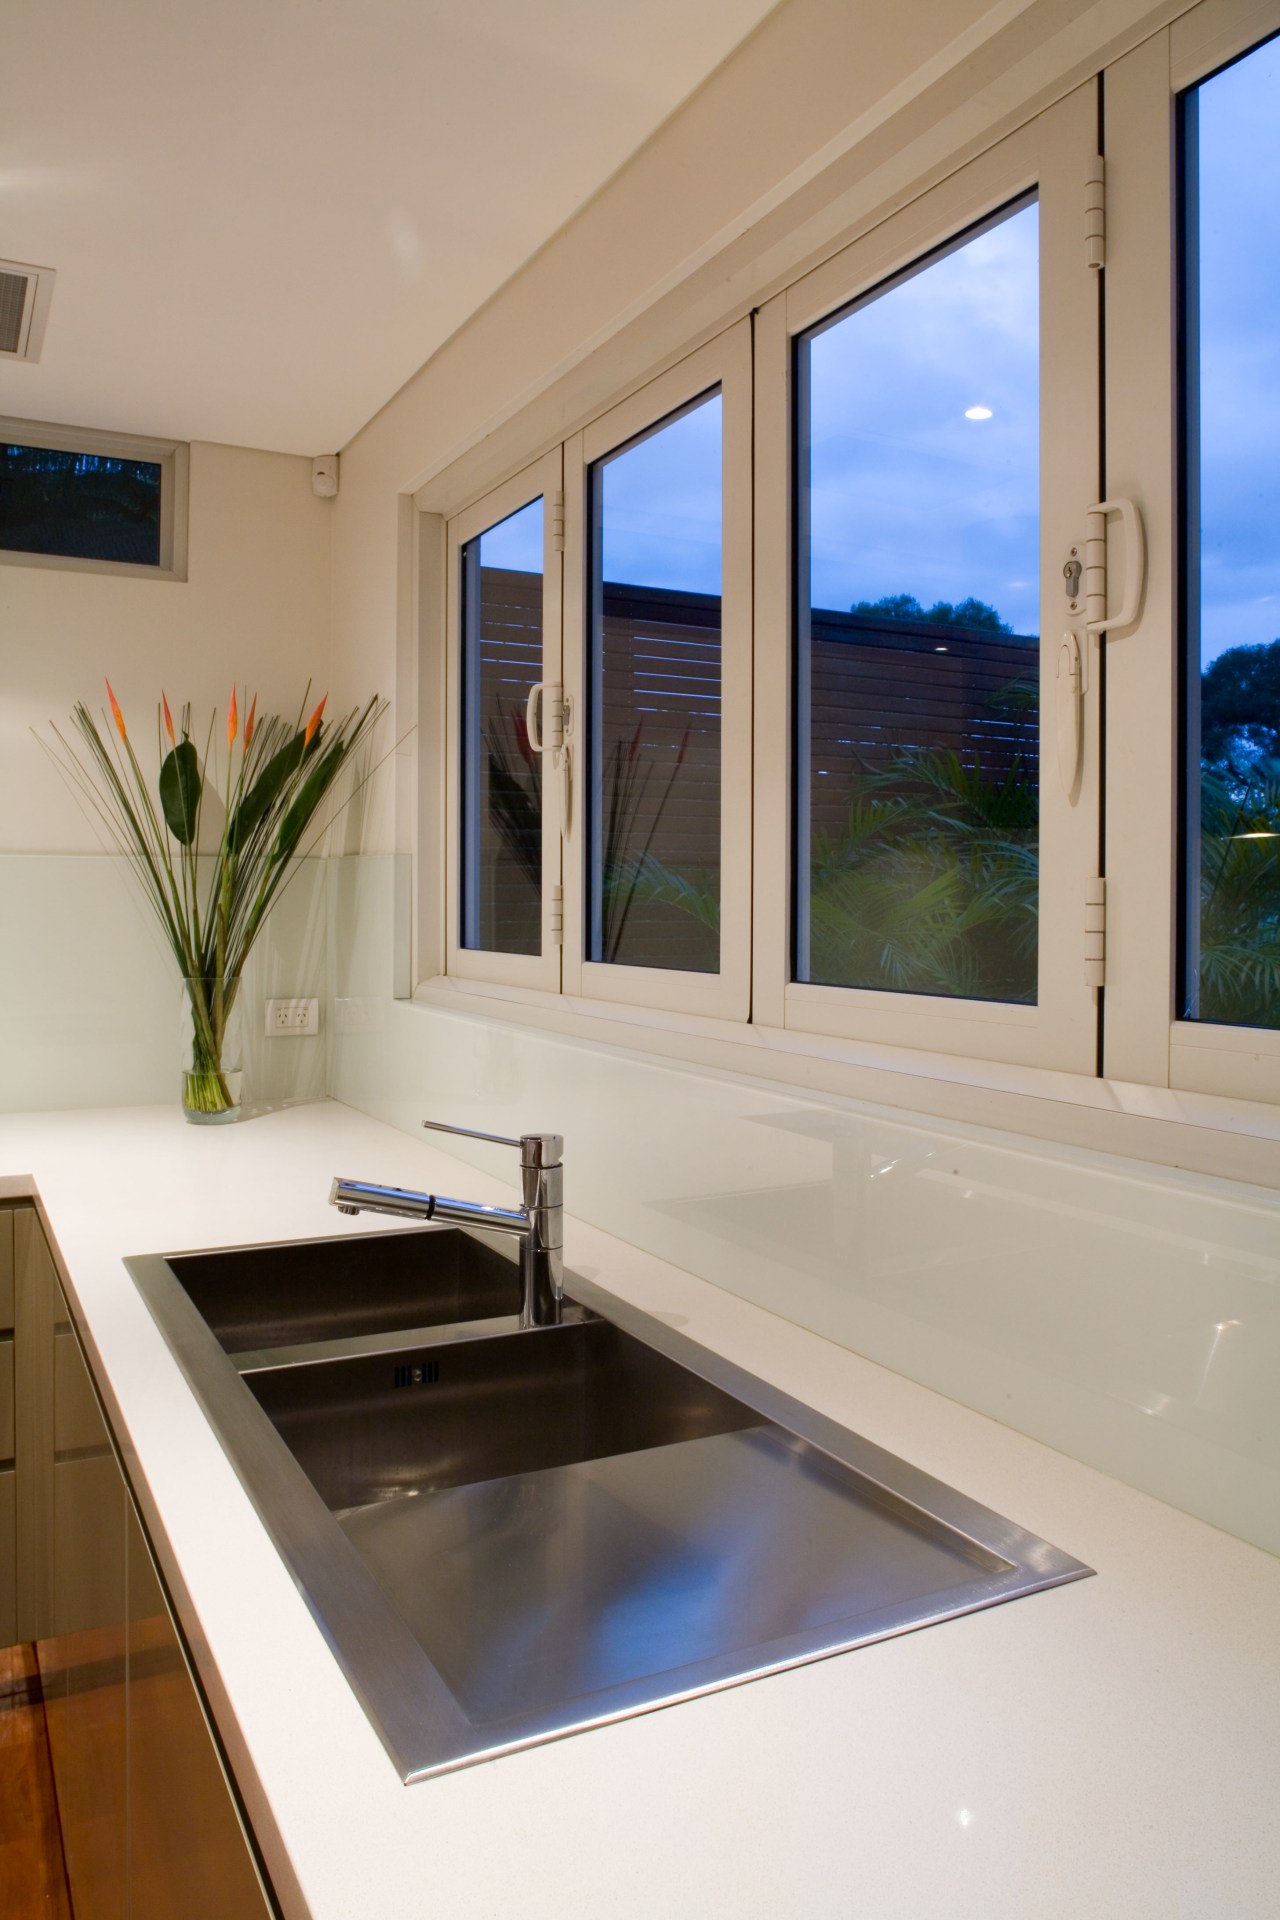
168	719
115	708
233	720
313	723
248	725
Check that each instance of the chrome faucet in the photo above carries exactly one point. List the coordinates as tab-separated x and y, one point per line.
539	1222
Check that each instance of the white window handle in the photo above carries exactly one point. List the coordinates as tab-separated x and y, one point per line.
1095	565
1070	705
547	699
540	696
566	787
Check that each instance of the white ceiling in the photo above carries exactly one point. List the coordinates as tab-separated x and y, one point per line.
266	214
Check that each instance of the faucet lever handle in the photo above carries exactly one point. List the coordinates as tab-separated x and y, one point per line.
535	1149
470	1133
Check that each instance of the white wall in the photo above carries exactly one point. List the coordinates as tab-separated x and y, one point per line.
254	608
88	998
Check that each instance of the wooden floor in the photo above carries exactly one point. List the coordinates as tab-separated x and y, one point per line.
33	1881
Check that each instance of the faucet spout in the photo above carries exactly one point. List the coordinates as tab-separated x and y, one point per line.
539	1222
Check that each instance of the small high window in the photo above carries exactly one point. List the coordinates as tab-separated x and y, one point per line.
90	500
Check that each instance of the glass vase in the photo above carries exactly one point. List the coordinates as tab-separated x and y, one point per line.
211	1059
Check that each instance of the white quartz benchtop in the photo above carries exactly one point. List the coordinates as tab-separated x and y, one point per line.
1107	1748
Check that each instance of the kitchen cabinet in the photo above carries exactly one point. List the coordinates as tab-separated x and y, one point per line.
8	1489
150	1821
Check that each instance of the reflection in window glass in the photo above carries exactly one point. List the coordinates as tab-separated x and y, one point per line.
918	619
654	860
1232	517
84	506
501	775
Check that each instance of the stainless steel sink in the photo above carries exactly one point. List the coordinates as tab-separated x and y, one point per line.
381	1426
298	1293
510	1535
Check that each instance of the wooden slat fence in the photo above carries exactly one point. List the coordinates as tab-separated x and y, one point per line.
880	689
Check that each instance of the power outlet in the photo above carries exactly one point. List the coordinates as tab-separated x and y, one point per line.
292	1018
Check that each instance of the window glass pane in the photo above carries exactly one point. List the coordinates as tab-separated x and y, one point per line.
85	506
1232	893
501	776
654	860
918	620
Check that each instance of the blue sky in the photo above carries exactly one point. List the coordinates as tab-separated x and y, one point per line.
1240	353
515	543
662	504
908	493
661	510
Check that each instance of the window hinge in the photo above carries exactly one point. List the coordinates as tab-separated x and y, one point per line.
1095	932
557	523
1095	214
557	916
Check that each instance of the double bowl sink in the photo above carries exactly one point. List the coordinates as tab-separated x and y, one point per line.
507	1535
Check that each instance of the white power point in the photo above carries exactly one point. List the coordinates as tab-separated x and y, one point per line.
292	1018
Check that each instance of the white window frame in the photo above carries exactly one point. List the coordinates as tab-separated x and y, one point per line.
541	970
171	456
724	363
1050	154
1145	1040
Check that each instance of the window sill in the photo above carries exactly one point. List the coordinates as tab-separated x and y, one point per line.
1198	1132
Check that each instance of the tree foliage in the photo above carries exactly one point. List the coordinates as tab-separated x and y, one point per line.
904	606
1240	708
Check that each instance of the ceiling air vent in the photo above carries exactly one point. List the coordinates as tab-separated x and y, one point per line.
25	293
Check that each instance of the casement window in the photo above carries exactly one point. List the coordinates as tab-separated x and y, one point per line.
1230	148
92	502
927	454
1193	800
506	805
600	701
896	667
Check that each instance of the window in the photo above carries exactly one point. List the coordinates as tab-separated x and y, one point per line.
599	667
501	601
918	627
857	689
653	875
1231	521
91	501
504	818
928	407
1193	176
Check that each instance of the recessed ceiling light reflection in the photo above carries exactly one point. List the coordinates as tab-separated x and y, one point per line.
977	413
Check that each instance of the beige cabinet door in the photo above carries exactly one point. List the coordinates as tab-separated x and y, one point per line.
82	1657
188	1853
8	1487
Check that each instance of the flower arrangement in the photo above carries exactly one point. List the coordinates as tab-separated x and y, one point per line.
276	776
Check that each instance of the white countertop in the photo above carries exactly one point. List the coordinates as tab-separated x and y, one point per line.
1106	1748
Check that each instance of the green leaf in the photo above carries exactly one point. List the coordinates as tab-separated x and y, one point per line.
308	798
266	790
180	791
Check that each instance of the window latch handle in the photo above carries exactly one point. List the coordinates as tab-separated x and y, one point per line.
545	702
1095	573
